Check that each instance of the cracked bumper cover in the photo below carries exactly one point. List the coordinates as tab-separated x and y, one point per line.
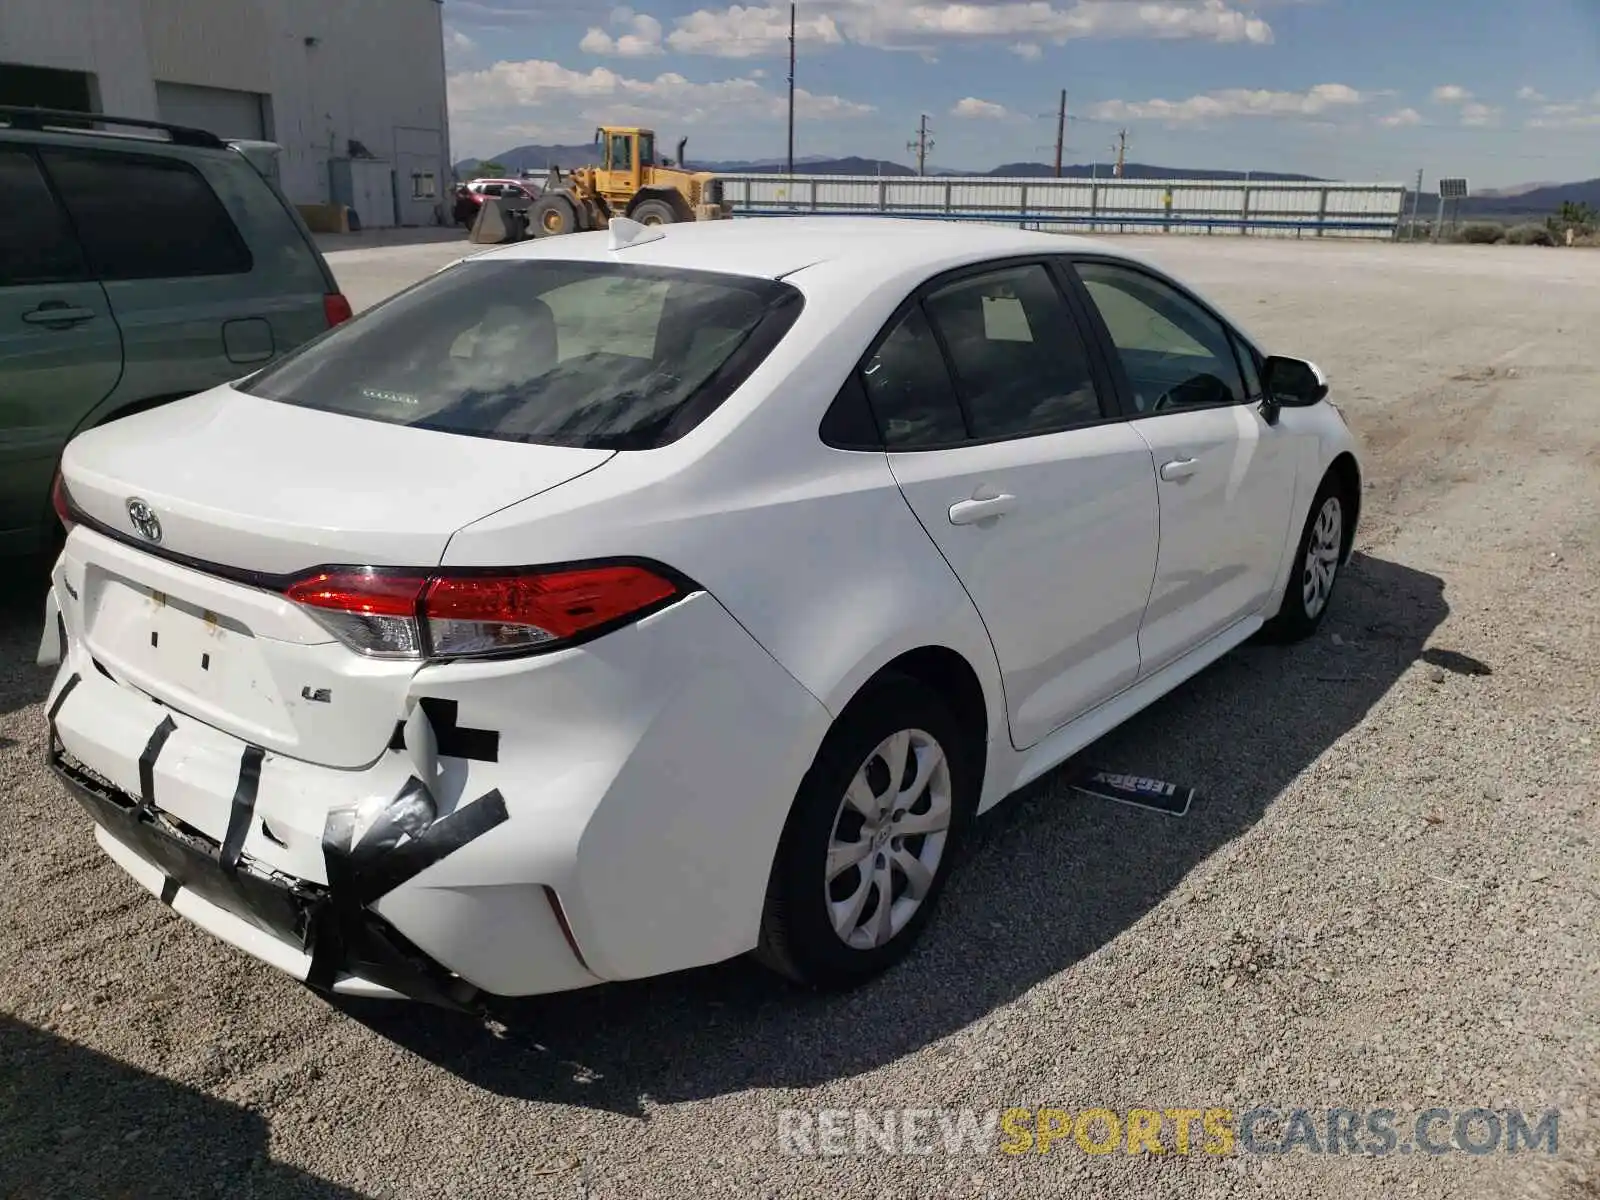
622	852
372	958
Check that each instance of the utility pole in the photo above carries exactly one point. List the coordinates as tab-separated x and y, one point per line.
1122	150
1416	201
922	145
791	89
1061	130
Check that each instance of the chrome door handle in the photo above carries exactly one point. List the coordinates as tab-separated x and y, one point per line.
970	512
1178	468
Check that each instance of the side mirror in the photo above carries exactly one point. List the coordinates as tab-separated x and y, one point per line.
1293	382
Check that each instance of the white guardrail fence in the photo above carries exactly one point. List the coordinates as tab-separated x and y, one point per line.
1273	209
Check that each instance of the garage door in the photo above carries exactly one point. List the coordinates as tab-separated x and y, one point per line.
226	113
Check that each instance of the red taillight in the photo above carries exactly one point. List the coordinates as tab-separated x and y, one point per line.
336	308
376	593
374	612
456	615
62	502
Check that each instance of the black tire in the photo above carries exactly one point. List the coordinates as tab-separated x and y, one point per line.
551	216
1300	614
798	938
654	212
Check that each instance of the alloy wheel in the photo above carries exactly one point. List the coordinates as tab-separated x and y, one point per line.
1322	557
888	839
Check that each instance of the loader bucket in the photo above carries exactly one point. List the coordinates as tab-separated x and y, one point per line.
499	223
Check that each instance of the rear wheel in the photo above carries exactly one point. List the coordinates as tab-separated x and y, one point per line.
552	215
871	838
1317	560
654	212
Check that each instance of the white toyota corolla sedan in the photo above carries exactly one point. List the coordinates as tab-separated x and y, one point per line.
617	603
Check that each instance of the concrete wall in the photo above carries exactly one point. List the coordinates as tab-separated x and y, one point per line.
333	70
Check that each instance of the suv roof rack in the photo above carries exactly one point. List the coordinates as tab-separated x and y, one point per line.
41	119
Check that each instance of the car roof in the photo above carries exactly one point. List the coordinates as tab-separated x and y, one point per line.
773	247
833	253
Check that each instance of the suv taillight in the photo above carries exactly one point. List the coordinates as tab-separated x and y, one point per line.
472	614
336	308
61	501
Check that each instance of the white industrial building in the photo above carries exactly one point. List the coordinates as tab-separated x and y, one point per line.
353	90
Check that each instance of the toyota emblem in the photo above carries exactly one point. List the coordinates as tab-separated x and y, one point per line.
144	519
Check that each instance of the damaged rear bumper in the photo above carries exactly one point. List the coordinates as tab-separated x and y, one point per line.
300	927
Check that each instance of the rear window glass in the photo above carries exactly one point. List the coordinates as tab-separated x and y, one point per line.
603	355
145	218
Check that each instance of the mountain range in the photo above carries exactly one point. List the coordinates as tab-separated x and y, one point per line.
1526	200
539	158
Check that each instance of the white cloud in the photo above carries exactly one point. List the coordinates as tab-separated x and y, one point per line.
515	14
459	50
1531	95
749	31
889	21
643	39
983	110
1405	116
1451	93
1027	50
485	104
1574	120
1233	102
1479	115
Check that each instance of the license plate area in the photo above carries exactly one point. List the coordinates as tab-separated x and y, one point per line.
180	652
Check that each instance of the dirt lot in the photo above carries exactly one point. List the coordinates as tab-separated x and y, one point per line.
1388	896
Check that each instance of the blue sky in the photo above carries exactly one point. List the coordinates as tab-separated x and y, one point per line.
1355	89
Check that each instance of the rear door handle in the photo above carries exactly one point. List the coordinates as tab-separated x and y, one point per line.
1178	468
57	312
970	512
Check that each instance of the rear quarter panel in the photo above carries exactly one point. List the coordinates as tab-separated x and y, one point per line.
813	550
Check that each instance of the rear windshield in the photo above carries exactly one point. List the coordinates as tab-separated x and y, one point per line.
603	355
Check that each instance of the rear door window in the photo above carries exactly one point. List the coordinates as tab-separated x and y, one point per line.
36	243
144	217
1018	358
909	388
603	355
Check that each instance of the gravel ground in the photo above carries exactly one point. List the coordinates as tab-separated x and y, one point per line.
1388	895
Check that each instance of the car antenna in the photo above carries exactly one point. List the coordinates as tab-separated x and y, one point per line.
626	232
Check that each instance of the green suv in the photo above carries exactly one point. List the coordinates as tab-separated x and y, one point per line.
135	268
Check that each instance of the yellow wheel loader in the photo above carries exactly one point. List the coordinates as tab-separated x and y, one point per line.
628	182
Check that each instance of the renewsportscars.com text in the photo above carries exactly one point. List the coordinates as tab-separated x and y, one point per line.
1216	1132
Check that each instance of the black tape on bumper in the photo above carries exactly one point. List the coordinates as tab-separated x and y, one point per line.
1157	795
400	844
457	741
244	807
147	760
61	699
299	913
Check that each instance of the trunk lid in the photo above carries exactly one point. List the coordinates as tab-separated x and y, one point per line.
248	491
273	488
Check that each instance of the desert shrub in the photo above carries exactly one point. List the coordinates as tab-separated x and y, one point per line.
1530	235
1481	233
